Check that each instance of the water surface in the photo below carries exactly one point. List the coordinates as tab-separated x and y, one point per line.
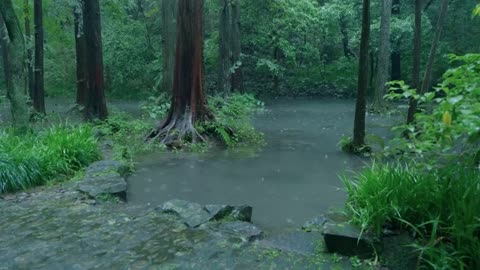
293	178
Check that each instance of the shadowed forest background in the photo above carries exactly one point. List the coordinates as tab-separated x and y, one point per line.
289	48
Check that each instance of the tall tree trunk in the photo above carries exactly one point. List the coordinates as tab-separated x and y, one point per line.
431	58
360	108
188	101
225	51
16	65
417	55
5	57
396	56
169	25
379	105
28	41
96	106
237	76
80	53
39	91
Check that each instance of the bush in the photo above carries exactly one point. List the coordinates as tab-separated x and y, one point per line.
232	124
441	207
33	159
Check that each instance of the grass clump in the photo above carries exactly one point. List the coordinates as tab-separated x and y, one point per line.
440	207
33	159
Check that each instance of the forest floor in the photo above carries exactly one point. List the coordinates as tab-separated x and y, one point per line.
59	228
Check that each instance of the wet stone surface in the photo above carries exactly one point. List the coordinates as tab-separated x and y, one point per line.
62	228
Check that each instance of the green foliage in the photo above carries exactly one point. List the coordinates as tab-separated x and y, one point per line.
33	159
232	124
450	120
442	207
476	11
127	134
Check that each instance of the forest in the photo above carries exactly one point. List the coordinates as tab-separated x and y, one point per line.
240	134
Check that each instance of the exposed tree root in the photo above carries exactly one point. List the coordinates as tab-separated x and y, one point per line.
177	128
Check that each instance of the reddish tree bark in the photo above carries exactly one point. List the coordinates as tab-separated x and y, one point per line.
39	89
96	105
81	55
188	101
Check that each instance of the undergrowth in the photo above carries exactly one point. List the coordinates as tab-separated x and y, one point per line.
231	125
35	158
440	207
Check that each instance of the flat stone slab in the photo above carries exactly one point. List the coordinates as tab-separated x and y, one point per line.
300	242
228	212
106	166
315	224
348	240
245	231
109	184
193	214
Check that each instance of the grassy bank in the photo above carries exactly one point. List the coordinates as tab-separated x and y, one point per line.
33	159
440	207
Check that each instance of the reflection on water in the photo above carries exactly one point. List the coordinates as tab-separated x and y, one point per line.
295	177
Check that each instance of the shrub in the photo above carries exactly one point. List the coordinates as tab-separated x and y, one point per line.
33	159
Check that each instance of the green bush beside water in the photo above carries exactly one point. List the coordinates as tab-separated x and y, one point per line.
441	207
36	158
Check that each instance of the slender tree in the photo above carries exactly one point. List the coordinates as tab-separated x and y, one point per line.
96	105
169	25
427	78
28	41
416	59
379	104
225	50
360	108
5	57
81	53
396	55
237	76
39	89
188	102
15	45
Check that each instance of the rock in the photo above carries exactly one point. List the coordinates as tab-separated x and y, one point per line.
314	224
298	241
106	166
398	253
348	240
193	214
111	184
245	231
230	213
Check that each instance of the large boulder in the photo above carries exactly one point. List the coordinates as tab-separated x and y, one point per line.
107	184
230	213
349	240
193	214
103	167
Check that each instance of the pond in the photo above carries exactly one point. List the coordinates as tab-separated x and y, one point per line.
293	178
